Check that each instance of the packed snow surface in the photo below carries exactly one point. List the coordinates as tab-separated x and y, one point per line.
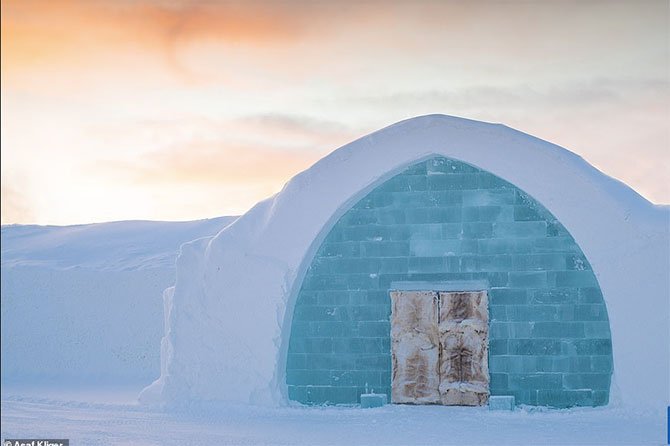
111	417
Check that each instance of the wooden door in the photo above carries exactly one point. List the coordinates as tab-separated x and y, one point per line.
415	347
463	331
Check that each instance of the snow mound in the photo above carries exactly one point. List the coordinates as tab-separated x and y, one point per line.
115	246
83	303
228	317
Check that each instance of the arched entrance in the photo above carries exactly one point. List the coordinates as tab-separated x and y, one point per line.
443	220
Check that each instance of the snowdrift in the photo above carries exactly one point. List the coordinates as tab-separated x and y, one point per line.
228	317
83	303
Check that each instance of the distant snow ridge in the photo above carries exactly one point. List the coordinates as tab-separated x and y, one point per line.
228	317
84	302
115	246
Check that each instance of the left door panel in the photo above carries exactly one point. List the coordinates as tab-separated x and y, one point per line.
415	346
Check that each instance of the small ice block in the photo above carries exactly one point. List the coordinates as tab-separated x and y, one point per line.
373	400
501	402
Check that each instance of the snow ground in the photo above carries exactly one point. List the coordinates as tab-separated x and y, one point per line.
110	416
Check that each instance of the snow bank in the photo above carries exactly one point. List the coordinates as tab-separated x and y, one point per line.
115	246
229	315
83	303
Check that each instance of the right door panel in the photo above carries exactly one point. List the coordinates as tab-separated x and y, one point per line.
463	331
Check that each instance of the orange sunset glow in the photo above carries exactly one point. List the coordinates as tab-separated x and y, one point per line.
182	109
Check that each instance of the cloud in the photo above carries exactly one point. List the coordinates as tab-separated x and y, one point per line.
291	127
74	33
265	149
214	162
239	42
274	131
572	95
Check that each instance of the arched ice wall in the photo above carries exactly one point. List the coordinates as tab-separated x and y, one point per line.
445	221
229	318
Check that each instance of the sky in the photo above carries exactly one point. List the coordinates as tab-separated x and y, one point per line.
182	109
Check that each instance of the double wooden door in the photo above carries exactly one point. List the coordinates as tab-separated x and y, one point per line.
439	347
